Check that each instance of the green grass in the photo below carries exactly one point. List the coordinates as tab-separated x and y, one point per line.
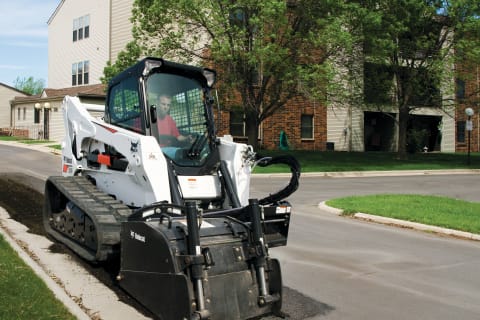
22	294
311	161
431	210
23	140
31	141
9	138
328	161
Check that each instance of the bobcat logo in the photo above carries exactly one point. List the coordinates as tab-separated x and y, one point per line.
136	236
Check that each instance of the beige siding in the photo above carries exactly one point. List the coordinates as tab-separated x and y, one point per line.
6	95
338	120
448	126
23	115
120	26
63	52
57	129
56	123
345	131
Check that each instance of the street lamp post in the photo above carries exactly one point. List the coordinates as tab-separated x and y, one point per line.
469	126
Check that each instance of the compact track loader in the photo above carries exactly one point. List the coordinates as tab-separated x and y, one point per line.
172	204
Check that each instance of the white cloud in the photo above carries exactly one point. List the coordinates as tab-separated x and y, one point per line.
23	44
11	67
26	18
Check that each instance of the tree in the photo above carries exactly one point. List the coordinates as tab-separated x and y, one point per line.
262	50
412	47
29	85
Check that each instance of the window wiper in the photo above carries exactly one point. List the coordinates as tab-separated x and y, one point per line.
197	146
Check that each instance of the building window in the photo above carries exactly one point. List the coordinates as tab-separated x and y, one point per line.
306	125
80	73
24	113
75	30
81	28
18	113
86	28
237	124
85	71
461	131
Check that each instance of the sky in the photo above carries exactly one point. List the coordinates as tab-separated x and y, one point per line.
24	39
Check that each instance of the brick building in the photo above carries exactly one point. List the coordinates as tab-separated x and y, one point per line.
83	36
468	96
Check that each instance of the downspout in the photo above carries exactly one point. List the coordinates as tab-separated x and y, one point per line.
110	31
12	118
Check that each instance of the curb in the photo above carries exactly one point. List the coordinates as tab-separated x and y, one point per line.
327	174
59	293
403	223
43	147
360	174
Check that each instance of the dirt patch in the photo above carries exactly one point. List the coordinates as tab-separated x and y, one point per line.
22	203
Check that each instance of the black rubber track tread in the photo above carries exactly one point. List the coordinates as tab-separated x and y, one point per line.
106	213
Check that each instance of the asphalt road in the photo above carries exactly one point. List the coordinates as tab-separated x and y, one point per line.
362	270
354	269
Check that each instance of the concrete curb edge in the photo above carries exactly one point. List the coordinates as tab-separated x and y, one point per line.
403	223
59	293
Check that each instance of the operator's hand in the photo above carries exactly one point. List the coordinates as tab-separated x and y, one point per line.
190	138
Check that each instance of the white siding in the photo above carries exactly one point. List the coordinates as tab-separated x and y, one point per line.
63	52
120	26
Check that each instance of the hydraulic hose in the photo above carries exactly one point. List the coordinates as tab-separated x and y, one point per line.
292	186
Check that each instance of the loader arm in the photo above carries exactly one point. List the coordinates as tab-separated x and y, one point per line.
123	163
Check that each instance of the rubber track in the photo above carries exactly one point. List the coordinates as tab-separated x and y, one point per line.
106	213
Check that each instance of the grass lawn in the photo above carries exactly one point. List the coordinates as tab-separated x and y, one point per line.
335	161
431	210
22	294
23	140
371	161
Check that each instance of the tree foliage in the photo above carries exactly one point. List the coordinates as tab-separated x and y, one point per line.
417	45
266	52
29	85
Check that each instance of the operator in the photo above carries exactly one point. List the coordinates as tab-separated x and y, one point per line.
166	125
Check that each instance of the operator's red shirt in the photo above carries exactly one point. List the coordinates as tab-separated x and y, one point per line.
167	126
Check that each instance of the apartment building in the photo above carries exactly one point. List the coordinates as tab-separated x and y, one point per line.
83	36
7	93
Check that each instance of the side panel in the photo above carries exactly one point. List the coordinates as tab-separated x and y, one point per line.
234	155
144	179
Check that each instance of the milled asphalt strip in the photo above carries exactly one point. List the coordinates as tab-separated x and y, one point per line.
403	223
52	285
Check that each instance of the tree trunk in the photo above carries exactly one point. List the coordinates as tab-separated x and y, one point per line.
403	115
251	124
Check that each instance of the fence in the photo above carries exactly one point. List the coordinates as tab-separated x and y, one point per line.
34	131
